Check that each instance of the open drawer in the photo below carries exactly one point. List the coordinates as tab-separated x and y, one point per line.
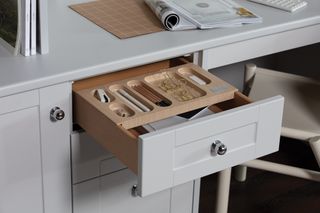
171	156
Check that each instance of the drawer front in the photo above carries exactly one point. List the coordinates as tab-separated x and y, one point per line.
19	101
89	159
176	155
112	193
170	157
265	45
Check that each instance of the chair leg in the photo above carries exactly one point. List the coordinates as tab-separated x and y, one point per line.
249	73
315	146
284	169
224	178
240	173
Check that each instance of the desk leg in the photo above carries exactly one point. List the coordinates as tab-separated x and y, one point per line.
224	178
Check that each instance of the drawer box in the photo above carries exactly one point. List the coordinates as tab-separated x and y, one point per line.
176	155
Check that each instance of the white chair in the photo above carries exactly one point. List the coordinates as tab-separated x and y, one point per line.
301	120
301	116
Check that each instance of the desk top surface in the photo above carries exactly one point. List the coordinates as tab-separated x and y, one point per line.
80	49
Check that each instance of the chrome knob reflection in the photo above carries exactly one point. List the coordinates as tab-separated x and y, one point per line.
218	148
56	114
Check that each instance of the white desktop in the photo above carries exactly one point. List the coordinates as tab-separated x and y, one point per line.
51	167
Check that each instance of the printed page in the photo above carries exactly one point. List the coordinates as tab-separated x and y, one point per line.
213	13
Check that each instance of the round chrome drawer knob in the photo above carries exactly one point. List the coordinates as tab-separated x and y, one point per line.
218	148
56	114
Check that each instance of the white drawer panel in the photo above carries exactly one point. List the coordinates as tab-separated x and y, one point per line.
197	158
110	165
200	151
89	160
215	164
112	193
257	135
261	46
19	101
216	124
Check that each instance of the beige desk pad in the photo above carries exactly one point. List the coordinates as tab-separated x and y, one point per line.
122	18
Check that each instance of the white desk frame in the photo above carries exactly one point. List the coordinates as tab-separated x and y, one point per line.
80	49
264	45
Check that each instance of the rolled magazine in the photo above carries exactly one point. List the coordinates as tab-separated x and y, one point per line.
202	14
170	19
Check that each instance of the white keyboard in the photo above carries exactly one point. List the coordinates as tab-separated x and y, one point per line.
287	5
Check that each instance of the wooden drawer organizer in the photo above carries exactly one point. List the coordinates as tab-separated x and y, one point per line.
189	95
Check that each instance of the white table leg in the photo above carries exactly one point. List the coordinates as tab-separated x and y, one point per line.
224	178
240	173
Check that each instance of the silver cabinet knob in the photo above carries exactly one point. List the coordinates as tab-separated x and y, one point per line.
218	148
56	114
134	191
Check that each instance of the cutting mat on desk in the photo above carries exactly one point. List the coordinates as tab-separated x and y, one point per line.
122	18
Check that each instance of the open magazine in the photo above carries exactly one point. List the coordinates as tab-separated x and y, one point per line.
202	14
10	25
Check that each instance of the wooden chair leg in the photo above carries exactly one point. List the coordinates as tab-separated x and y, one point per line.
240	173
224	178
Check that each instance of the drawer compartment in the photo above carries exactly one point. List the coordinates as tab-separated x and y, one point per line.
171	156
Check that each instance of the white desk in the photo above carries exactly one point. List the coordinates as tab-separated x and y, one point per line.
80	49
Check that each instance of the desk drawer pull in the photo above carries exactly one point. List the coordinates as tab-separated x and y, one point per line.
218	148
56	114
